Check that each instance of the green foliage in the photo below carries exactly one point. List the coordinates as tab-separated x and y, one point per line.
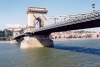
55	37
8	33
1	33
59	36
70	36
4	34
97	35
74	36
2	38
21	31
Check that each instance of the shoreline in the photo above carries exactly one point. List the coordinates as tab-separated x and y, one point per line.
5	41
62	39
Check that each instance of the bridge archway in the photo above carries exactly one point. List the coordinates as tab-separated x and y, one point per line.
38	23
36	14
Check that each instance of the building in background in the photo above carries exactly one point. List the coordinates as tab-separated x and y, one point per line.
75	34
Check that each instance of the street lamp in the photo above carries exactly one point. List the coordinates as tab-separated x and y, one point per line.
55	19
93	6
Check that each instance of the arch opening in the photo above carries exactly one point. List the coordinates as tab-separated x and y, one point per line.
38	23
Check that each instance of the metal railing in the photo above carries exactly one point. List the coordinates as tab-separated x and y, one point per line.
73	18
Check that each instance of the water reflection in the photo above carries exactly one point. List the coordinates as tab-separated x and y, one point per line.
79	49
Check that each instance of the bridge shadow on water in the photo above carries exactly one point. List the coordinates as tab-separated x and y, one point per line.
79	49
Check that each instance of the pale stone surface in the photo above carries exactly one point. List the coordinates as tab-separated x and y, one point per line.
36	14
31	42
13	41
16	33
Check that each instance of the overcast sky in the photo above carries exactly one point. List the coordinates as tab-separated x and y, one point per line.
13	12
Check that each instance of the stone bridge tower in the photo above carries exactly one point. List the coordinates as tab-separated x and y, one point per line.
36	13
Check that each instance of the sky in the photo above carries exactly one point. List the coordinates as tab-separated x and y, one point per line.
13	12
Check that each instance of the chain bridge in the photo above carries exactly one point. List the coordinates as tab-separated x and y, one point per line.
39	37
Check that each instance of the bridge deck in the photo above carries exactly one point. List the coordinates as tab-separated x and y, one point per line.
65	26
90	21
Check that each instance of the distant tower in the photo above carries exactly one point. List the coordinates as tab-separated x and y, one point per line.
36	13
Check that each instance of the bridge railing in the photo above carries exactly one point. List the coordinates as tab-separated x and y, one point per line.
82	16
73	18
70	19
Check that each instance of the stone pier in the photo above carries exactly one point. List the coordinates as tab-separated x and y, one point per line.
36	41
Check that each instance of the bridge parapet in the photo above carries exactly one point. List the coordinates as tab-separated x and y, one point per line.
83	16
73	18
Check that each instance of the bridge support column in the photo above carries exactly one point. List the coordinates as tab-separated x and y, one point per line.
36	41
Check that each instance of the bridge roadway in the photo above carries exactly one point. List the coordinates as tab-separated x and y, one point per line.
90	21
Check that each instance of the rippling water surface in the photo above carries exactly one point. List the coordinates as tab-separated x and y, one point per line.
66	53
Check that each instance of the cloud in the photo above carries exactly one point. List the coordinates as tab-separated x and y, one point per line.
8	25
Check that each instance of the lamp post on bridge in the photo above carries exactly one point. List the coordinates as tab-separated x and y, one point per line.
55	18
93	6
63	17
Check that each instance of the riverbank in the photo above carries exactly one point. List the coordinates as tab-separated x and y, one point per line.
5	41
61	39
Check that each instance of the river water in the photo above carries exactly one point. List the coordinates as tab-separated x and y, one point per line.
65	53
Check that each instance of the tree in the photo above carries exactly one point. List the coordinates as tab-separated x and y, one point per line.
21	31
8	33
4	34
97	35
70	36
74	36
55	37
59	36
2	38
1	33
